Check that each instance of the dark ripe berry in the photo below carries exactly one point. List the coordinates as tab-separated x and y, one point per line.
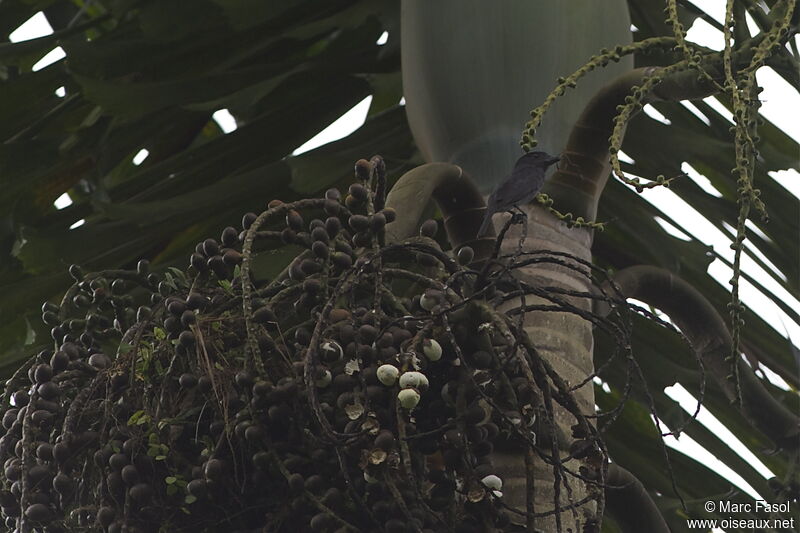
210	247
365	351
9	418
130	475
188	318
288	236
248	219
172	324
386	340
314	224
164	289
13	471
50	318
198	262
118	286
81	301
320	250
580	448
320	522
20	398
204	384
141	493
214	470
296	484
143	267
218	266
302	336
342	260
106	515
76	272
43	373
429	228
197	488
186	339
48	391
474	414
358	192
229	236
315	484
465	255
49	306
196	301
385	440
294	220
117	461
41	417
363	169
231	258
309	267
377	222
187	380
62	483
367	333
254	434
358	222
244	379
389	213
312	286
320	234
143	313
344	247
362	239
264	315
331	207
38	512
45	451
296	273
57	333
176	307
333	194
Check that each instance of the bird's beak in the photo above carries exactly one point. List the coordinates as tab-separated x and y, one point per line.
553	160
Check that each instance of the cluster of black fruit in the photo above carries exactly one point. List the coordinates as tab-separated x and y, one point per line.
352	392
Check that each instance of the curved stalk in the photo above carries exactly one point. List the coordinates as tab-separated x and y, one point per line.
630	503
457	197
694	315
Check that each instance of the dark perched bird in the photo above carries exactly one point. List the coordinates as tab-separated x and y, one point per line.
520	187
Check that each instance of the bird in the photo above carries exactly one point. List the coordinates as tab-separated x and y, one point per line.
520	187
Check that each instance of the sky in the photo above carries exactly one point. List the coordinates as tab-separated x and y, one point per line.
777	98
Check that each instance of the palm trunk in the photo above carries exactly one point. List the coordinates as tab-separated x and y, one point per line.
565	340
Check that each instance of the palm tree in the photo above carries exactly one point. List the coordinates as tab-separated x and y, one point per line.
144	75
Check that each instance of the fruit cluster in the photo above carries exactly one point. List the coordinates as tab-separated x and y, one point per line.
362	389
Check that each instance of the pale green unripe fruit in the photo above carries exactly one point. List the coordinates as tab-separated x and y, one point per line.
387	374
408	398
492	482
432	349
413	379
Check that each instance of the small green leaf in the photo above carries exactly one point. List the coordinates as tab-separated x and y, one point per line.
169	480
159	334
135	417
171	490
190	499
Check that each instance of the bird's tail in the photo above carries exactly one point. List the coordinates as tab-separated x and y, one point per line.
487	221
